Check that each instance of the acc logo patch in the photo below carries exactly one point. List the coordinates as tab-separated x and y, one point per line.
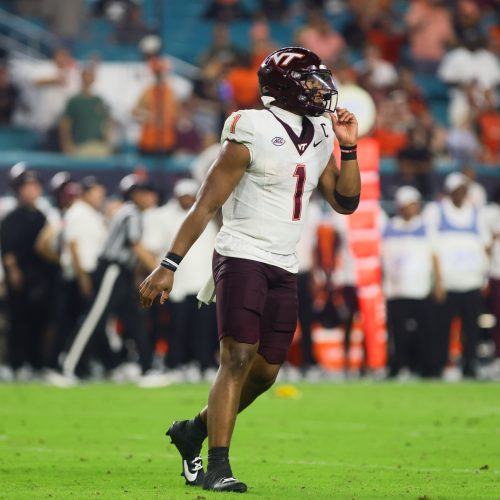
278	141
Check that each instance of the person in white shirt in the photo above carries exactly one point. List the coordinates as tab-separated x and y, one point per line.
462	238
471	70
55	82
83	235
476	193
192	334
411	274
493	223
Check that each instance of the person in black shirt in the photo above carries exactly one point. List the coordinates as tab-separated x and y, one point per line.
28	275
415	162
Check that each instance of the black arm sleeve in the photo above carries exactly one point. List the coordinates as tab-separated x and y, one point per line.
349	203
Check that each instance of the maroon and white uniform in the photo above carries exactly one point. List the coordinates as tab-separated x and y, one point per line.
255	261
263	217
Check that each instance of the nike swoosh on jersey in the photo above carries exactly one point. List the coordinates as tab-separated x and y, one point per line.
190	476
317	143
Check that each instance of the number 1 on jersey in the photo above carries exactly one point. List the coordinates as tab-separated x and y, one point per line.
300	174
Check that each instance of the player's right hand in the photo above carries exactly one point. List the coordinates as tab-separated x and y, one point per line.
159	281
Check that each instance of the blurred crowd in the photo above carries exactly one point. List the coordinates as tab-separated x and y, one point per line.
426	63
441	264
72	259
71	269
72	264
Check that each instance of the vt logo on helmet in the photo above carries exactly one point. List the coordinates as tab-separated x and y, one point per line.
284	58
296	79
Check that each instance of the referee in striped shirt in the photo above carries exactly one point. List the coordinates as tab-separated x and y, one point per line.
116	291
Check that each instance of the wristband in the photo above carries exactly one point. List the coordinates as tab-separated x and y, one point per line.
348	152
171	261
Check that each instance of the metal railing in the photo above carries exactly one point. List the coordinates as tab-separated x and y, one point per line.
24	37
183	68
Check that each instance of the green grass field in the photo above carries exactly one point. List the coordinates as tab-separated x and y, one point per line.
351	441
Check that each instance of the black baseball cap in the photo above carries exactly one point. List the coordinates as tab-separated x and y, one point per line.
132	183
89	182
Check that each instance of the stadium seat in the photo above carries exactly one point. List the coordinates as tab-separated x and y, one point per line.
18	138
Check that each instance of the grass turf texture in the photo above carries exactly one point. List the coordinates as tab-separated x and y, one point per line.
353	441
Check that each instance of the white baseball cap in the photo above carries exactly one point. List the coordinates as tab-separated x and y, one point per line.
185	187
150	44
454	181
406	195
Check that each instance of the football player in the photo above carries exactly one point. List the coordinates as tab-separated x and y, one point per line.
270	161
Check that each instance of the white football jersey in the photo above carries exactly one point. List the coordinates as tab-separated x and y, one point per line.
263	216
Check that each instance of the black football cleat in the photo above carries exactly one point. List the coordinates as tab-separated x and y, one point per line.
192	463
218	481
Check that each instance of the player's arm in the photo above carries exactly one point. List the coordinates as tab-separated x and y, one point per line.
341	189
222	178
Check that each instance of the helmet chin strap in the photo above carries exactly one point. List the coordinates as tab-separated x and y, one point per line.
267	100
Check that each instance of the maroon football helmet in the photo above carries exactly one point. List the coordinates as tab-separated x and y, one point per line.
298	80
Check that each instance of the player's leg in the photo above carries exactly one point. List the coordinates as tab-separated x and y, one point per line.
189	435
277	327
236	360
223	402
260	378
216	420
192	433
245	374
241	288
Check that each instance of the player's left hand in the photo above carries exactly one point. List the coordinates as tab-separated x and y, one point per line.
345	127
161	280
